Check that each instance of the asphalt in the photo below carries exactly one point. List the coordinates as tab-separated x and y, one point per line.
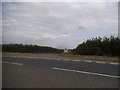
39	73
108	69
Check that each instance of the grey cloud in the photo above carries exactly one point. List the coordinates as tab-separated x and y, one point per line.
57	24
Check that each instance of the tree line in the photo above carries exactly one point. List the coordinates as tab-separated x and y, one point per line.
29	48
106	46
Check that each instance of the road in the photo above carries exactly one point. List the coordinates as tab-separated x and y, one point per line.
43	73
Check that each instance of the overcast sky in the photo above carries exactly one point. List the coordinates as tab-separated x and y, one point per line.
58	24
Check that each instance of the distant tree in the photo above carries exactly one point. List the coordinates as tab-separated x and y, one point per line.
29	48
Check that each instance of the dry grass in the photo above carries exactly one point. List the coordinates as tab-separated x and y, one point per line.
79	57
92	57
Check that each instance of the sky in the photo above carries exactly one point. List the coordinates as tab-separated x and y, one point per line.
58	24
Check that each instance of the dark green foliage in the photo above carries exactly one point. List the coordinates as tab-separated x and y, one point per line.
29	48
99	46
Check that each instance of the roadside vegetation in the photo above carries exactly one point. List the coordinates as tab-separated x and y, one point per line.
107	46
29	48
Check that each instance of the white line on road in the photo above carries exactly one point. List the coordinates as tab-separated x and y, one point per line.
114	63
100	62
87	61
86	72
76	60
68	60
13	63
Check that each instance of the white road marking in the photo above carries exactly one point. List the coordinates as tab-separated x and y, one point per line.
66	60
87	61
76	60
100	62
13	63
114	63
86	72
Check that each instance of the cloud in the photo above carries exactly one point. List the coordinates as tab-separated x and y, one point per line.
55	36
57	24
60	0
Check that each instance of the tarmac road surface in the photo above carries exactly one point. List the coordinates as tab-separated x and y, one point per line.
43	73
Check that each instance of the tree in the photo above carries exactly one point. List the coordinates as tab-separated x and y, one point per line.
109	46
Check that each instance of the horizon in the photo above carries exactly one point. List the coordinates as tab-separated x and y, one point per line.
59	48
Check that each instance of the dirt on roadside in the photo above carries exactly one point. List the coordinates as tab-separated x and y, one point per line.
92	57
68	56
